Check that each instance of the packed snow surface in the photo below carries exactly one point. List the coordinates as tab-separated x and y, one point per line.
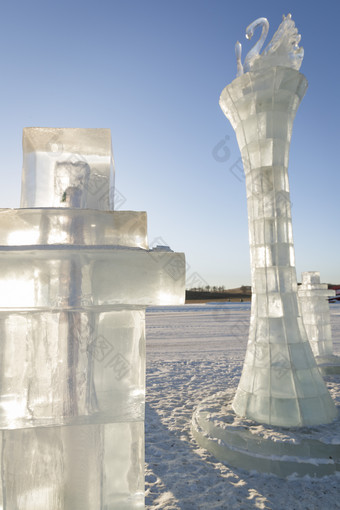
194	351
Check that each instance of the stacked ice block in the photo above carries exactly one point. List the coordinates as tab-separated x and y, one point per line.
315	313
75	280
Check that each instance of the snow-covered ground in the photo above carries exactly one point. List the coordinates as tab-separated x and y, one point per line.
195	351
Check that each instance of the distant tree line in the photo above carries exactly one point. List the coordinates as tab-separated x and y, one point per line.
244	288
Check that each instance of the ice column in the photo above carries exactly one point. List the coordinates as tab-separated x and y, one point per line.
280	383
313	296
75	279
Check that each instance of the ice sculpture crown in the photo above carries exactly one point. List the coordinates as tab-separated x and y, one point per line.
67	167
283	49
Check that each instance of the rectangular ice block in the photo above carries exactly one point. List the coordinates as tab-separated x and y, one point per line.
88	467
70	167
68	277
92	372
48	226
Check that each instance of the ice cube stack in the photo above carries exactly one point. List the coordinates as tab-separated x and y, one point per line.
315	312
75	279
313	298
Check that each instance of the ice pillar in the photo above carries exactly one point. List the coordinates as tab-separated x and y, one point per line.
313	296
280	383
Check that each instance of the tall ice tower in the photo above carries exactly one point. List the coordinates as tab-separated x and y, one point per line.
280	382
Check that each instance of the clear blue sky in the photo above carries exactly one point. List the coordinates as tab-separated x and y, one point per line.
153	71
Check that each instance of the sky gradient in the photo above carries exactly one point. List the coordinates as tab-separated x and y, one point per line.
152	71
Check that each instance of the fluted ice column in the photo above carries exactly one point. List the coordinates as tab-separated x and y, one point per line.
280	383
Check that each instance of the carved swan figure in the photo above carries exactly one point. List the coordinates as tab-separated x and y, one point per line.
283	49
254	53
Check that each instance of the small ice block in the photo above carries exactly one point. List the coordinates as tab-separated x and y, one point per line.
67	167
310	277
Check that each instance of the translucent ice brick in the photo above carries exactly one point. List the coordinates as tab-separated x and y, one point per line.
22	227
266	152
287	279
94	371
88	467
275	308
277	331
261	386
282	382
250	128
67	168
286	407
73	277
310	278
284	230
277	125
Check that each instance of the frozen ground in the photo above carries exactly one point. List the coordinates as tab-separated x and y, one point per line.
192	352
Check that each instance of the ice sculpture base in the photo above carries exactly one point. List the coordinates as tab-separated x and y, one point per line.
328	365
245	444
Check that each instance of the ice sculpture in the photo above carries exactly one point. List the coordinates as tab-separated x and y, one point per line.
75	279
283	49
281	387
280	383
313	297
